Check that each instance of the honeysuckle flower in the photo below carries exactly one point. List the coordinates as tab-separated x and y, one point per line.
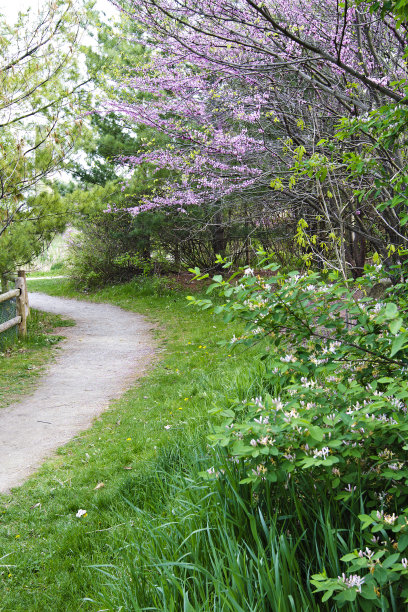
322	453
81	513
288	358
390	518
354	580
262	420
257	401
365	553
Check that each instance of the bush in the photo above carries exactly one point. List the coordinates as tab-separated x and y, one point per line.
330	428
106	251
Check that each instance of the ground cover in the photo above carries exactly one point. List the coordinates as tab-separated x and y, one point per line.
23	361
46	550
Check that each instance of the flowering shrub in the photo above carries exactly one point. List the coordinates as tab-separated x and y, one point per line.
334	410
384	562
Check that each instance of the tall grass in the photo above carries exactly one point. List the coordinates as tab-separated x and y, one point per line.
197	544
201	542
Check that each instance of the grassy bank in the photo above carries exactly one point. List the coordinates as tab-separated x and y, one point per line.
22	362
120	467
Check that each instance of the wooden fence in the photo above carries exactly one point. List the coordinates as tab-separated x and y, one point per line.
22	308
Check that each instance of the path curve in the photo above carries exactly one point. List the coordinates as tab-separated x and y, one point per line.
106	350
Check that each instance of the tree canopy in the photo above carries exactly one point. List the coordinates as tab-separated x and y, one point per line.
40	105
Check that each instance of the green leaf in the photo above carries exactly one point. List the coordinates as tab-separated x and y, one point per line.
316	433
389	561
395	325
380	574
397	344
348	595
391	310
327	595
367	591
366	520
349	557
228	413
247	480
403	543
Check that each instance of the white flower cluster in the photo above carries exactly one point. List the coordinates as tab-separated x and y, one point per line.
366	553
322	453
262	420
307	383
288	359
333	346
354	580
389	519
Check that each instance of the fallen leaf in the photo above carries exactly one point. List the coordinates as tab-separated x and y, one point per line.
127	467
100	485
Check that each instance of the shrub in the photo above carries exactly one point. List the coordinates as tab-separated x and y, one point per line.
106	250
331	423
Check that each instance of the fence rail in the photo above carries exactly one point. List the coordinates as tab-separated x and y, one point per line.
4	297
22	309
9	324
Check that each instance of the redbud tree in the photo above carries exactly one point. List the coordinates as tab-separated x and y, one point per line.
293	112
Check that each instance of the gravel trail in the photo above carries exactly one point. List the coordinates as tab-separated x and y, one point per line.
106	350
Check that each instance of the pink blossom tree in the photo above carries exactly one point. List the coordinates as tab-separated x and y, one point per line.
251	96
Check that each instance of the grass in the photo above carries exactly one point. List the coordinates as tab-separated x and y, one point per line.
21	362
47	554
46	273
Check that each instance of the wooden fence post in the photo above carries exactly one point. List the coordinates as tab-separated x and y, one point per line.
22	274
21	307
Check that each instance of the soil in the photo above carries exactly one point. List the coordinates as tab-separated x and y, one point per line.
99	359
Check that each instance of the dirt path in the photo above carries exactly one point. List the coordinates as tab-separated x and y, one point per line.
106	350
